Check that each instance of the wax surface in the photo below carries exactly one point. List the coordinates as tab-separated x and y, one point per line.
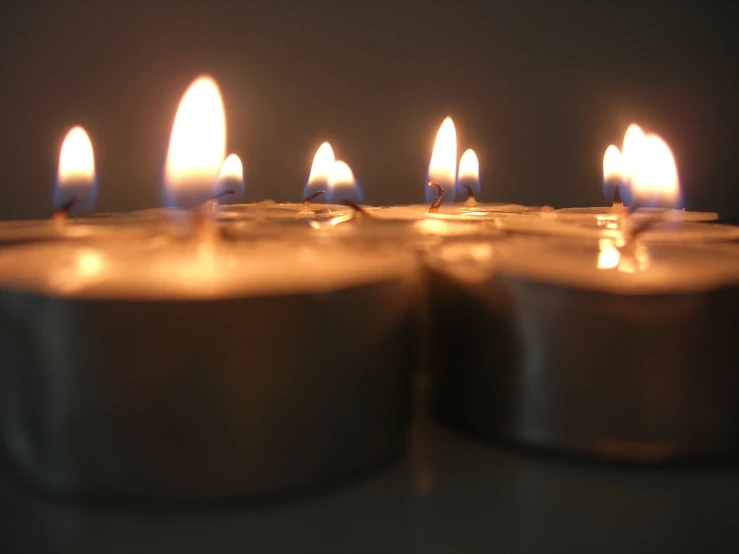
448	211
193	270
112	228
596	265
672	215
662	230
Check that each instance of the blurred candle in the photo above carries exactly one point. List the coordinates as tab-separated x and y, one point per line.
243	347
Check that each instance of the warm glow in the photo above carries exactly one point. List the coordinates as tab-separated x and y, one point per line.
631	150
613	169
197	146
320	171
654	178
232	169
342	184
469	171
76	175
608	255
443	165
76	159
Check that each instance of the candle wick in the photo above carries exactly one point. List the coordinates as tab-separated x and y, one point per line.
311	197
436	204
617	193
62	212
356	207
470	200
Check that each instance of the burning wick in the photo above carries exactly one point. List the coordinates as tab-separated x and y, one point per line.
617	194
62	212
311	197
436	204
470	200
356	207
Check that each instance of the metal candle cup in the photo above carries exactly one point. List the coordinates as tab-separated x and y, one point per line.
557	354
289	370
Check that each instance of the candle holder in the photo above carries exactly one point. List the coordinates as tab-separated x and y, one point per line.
625	376
200	399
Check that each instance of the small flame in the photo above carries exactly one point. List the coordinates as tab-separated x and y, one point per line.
654	178
342	184
320	171
197	146
613	172
443	165
469	172
76	176
231	178
613	164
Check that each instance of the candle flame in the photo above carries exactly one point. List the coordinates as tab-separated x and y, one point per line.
443	164
76	175
230	178
197	146
631	150
320	171
654	178
613	164
343	185
469	171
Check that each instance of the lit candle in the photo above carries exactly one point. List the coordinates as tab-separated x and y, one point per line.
441	187
623	353
74	194
203	368
618	173
653	179
315	206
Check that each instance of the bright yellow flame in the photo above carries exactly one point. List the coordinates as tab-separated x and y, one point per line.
613	164
323	165
631	149
469	166
608	255
76	159
198	144
232	169
443	165
655	174
341	175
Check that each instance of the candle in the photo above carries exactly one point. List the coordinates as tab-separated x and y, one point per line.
653	178
317	195
621	353
203	368
618	172
74	193
441	187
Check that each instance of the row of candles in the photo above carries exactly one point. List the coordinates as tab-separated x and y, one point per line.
216	289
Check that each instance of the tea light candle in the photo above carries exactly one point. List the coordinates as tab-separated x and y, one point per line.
618	170
442	184
202	368
641	368
653	174
317	195
74	192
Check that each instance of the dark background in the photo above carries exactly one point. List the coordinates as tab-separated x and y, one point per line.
539	89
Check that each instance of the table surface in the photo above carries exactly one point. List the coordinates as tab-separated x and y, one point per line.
477	498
